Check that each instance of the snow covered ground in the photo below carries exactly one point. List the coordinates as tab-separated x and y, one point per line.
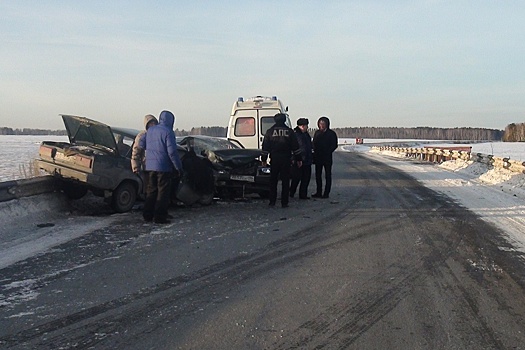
496	195
17	153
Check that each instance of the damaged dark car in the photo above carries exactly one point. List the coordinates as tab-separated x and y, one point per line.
238	171
97	158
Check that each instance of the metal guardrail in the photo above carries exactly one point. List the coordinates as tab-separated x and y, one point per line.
438	155
26	187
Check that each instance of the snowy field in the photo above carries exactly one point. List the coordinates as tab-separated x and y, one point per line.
18	153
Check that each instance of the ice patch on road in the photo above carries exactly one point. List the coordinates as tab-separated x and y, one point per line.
26	292
23	236
22	314
20	284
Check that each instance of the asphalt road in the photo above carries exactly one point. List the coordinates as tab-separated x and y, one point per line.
383	264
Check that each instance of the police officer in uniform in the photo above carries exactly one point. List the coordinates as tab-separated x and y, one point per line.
280	143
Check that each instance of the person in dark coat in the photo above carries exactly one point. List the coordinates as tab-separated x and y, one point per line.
302	175
280	143
162	164
324	144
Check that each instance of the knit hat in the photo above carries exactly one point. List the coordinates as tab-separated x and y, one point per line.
302	121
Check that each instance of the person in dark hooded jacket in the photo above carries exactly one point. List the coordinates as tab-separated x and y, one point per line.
162	164
280	143
324	144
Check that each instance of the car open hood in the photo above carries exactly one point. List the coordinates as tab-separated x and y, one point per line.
234	157
84	131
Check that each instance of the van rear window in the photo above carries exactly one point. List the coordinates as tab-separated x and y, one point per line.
245	126
266	123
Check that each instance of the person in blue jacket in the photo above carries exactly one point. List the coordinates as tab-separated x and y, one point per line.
162	164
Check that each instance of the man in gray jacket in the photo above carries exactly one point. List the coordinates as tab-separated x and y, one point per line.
138	159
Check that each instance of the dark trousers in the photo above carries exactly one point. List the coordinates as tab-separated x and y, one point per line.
301	177
280	169
158	195
319	180
144	176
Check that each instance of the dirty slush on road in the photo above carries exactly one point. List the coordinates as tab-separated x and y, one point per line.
385	263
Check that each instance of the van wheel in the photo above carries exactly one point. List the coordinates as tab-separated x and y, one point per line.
124	197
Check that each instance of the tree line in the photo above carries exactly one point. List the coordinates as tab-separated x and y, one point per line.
216	131
429	133
28	131
514	132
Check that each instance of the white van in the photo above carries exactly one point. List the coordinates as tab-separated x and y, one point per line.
251	117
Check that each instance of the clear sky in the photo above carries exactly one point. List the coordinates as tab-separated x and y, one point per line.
361	63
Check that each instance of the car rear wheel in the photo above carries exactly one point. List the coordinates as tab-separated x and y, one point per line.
124	197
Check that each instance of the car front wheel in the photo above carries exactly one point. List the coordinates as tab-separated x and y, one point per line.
124	197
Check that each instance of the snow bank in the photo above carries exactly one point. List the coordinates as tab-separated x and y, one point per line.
34	208
498	178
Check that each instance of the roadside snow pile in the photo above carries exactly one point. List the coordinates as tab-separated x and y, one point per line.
469	171
498	178
386	153
498	175
34	208
486	174
464	166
